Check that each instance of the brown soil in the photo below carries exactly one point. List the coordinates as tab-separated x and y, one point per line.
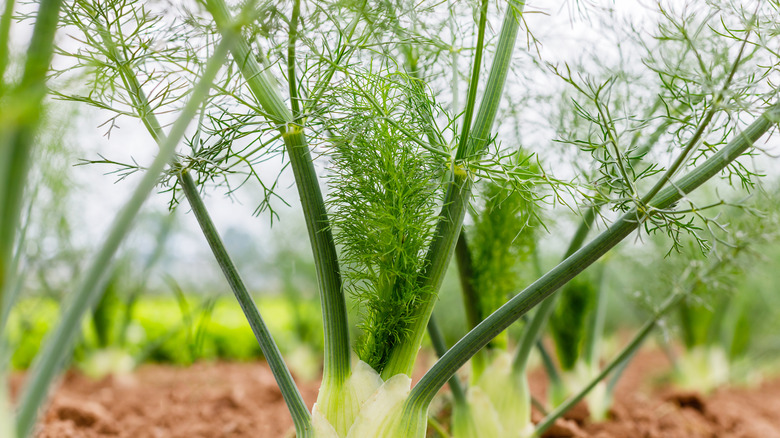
241	400
647	408
206	400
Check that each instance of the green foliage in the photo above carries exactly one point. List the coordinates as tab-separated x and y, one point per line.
502	243
696	319
203	333
384	189
27	325
223	332
106	316
568	323
159	332
742	331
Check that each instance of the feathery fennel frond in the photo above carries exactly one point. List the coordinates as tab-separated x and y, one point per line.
160	49
384	190
502	242
706	65
164	51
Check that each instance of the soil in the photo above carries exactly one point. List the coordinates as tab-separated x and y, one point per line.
206	400
241	400
646	406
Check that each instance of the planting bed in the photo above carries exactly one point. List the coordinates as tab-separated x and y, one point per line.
242	400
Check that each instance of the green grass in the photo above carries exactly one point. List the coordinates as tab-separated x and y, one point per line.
160	333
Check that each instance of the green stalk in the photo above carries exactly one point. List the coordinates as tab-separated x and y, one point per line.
22	111
15	280
556	387
533	330
60	341
160	240
615	377
595	327
422	394
291	78
292	396
337	350
472	91
13	290
720	306
457	198
466	274
440	347
470	299
453	62
620	359
488	107
438	427
5	32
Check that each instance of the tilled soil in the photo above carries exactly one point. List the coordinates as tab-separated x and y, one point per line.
644	408
206	400
212	400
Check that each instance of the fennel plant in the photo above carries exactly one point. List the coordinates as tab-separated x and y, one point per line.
720	320
395	409
356	86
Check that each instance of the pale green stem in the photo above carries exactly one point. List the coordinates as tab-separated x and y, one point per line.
15	279
440	347
139	288
290	392
22	110
466	276
273	356
615	377
438	427
60	341
595	328
5	48
553	375
471	303
532	331
453	62
334	310
471	99
456	199
291	78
